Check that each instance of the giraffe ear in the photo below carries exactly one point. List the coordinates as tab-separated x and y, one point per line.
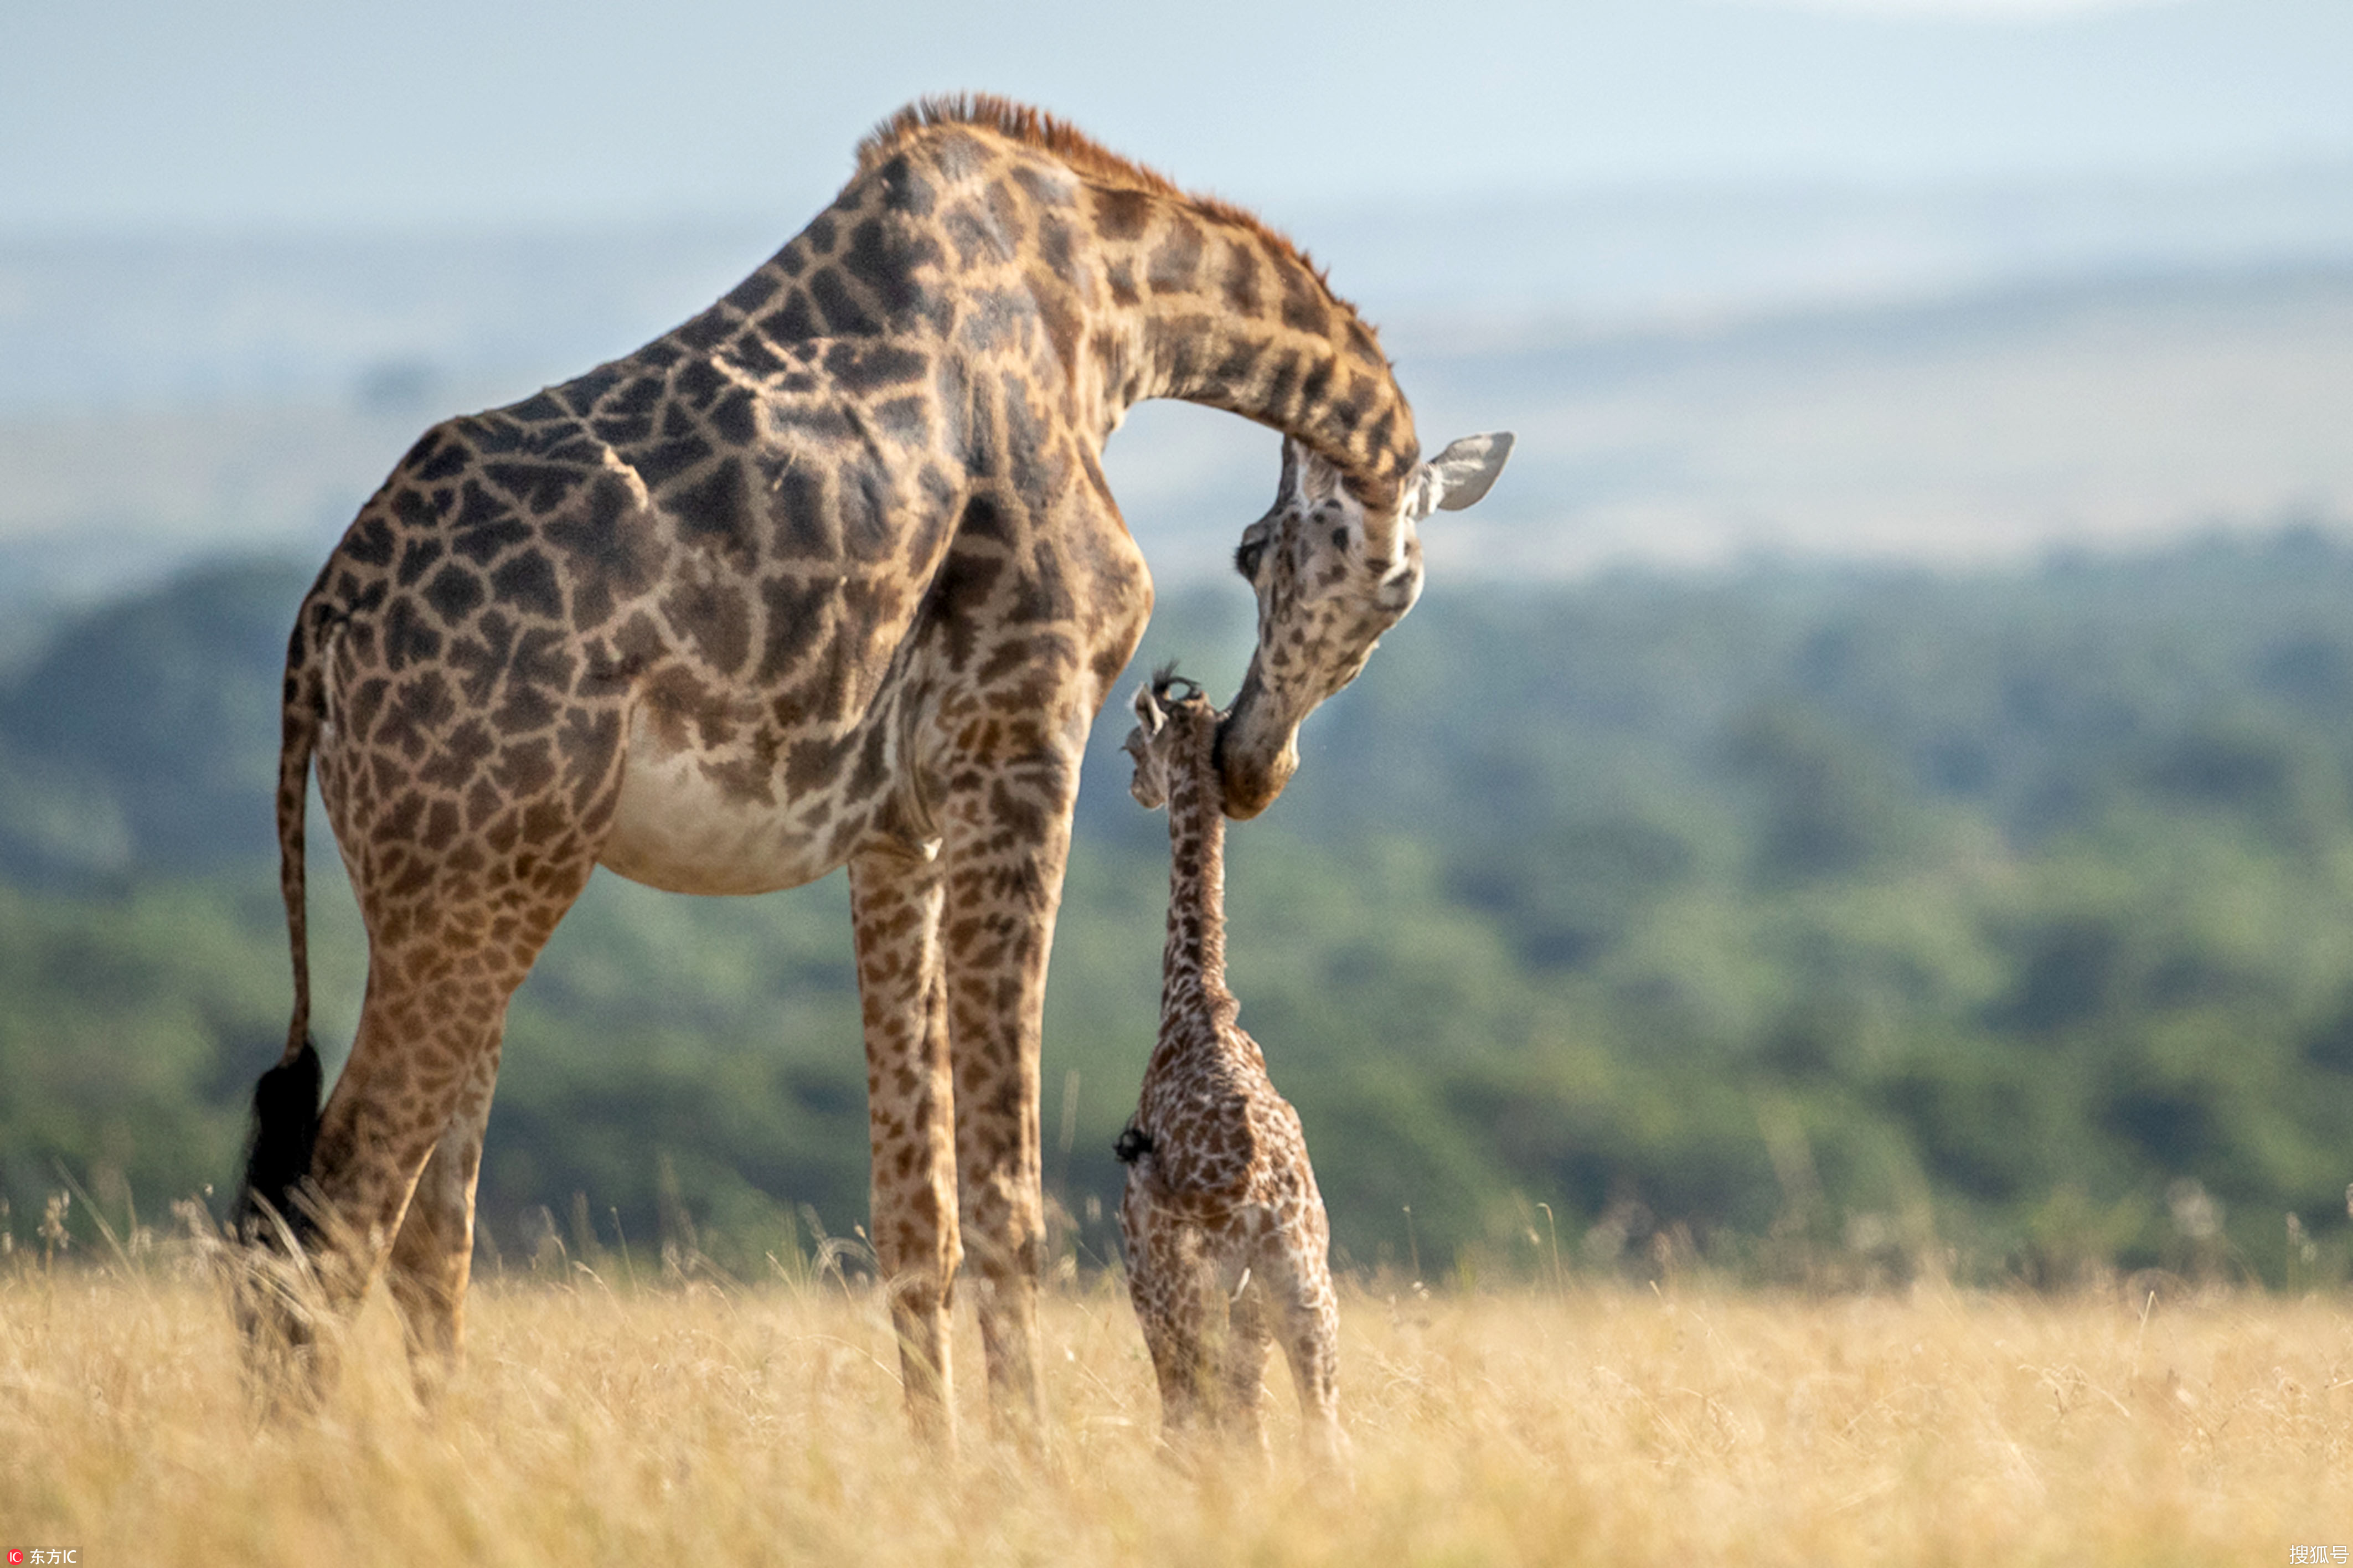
1148	711
1465	471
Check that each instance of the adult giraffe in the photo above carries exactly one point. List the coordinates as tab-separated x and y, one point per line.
828	576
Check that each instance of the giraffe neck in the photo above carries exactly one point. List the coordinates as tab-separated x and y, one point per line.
1143	290
1193	964
1203	304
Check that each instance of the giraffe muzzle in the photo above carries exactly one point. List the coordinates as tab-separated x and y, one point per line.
1255	761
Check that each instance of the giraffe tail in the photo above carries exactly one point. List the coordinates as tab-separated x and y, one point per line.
286	1100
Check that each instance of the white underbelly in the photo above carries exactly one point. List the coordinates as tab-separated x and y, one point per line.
678	830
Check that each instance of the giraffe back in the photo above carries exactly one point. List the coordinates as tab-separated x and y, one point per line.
718	594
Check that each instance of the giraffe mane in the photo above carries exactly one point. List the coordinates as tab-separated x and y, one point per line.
1020	122
1083	156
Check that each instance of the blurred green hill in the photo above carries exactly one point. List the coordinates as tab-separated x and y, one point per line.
1825	924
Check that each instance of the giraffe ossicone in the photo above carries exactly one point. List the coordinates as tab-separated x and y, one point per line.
830	575
1226	1240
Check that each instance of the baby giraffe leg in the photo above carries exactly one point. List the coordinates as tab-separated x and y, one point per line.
1168	1283
1310	1342
1248	1340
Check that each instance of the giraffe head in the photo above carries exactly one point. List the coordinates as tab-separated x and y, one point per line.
1172	720
1331	575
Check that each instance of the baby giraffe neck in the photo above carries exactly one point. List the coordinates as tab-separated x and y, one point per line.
1193	965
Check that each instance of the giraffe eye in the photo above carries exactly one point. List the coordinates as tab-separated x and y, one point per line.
1247	558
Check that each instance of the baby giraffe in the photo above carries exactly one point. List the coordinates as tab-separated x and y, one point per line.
1221	1217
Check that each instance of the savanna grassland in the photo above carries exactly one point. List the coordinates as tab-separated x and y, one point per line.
601	1422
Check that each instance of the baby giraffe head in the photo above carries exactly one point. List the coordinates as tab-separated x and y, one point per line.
1174	728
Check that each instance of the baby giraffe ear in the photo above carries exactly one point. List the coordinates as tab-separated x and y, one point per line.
1148	711
1462	474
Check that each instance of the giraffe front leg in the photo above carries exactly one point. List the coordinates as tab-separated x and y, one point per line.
433	1255
1007	843
902	989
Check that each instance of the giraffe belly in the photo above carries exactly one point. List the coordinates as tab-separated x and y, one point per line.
677	828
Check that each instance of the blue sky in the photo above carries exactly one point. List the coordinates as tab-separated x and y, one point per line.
332	114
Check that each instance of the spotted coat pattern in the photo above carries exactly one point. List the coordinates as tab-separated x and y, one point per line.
830	574
1221	1217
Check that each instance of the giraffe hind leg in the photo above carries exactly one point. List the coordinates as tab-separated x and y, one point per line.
432	1256
1170	1286
405	1121
1244	1369
1310	1329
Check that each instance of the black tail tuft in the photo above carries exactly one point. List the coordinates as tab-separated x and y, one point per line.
278	1160
1132	1145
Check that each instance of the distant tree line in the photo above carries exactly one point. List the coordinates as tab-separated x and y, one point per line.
1817	924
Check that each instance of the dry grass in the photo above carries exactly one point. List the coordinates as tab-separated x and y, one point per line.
1610	1425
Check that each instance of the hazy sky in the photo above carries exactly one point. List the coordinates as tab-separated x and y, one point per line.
329	113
